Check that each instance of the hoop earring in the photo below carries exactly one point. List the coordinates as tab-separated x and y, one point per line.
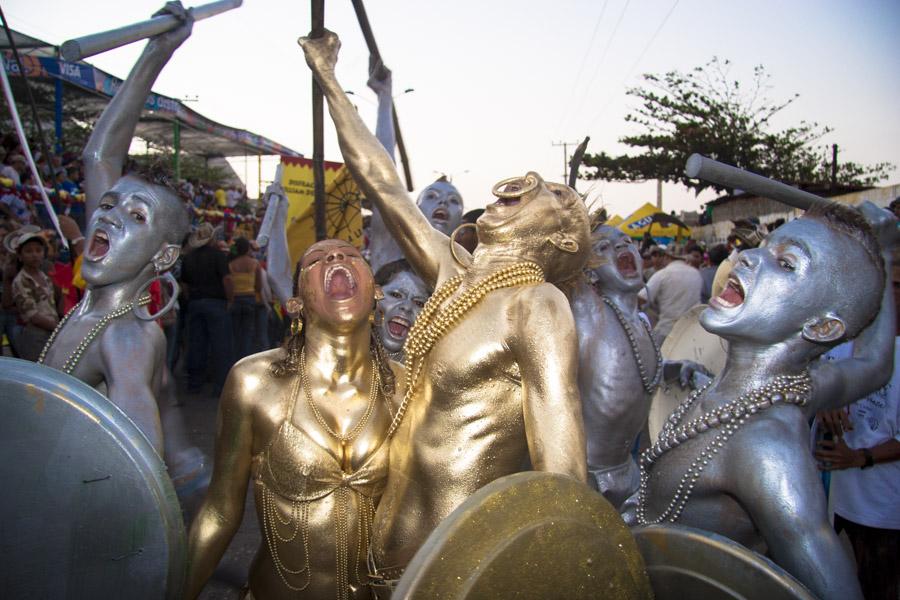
165	277
453	244
531	183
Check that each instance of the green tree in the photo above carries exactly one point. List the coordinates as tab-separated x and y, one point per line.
705	111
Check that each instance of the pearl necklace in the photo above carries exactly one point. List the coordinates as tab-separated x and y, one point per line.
433	322
649	385
75	356
345	440
784	389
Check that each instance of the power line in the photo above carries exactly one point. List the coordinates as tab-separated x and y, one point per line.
602	57
583	63
636	62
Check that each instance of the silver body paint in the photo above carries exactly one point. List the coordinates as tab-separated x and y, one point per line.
404	296
762	488
615	404
135	230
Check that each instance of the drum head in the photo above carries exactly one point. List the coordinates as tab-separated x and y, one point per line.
528	535
687	341
686	563
89	511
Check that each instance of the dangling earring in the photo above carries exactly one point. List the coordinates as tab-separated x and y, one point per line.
138	301
294	307
296	325
379	293
376	318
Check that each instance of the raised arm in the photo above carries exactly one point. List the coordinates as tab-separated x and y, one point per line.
838	383
552	405
222	510
426	249
381	83
107	149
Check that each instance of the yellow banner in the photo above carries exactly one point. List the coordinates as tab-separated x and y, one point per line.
343	217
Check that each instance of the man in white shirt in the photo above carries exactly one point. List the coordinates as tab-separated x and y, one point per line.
672	291
864	460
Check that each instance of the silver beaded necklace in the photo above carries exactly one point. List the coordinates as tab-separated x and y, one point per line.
784	389
75	356
649	385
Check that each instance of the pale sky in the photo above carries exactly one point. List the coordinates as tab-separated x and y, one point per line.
497	83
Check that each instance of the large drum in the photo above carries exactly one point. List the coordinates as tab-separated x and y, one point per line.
687	341
686	563
528	536
88	510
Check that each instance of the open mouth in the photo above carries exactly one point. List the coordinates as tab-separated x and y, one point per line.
398	327
99	245
339	283
732	295
440	214
626	265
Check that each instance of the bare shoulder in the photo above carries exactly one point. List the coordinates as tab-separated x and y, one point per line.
250	381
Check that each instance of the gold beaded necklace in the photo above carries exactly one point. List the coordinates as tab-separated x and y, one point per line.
433	322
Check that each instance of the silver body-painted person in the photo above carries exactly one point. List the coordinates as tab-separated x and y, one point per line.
440	202
134	234
619	364
404	296
734	458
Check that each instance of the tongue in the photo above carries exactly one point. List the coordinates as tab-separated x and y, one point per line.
397	330
99	247
340	287
731	295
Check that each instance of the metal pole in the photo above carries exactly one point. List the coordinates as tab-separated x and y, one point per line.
318	25
366	28
701	167
258	175
89	45
58	114
177	144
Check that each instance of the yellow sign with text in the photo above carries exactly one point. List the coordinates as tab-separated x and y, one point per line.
343	216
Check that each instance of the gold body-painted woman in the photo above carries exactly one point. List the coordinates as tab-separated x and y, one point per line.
308	425
491	359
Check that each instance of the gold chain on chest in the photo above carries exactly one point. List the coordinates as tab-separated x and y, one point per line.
434	321
347	439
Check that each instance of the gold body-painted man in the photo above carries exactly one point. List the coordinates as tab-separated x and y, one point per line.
492	359
308	424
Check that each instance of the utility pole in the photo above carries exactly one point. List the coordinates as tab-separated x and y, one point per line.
565	147
834	153
659	194
318	104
